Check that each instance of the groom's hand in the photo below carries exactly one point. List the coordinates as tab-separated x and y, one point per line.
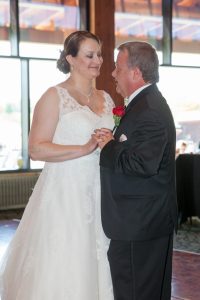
103	136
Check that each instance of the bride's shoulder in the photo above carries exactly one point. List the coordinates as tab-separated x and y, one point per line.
62	92
49	96
60	87
108	98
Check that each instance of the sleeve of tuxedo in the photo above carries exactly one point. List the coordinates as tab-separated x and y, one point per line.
142	153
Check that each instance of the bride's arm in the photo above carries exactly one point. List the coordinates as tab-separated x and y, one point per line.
45	119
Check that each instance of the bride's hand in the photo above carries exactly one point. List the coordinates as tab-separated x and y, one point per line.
103	136
91	145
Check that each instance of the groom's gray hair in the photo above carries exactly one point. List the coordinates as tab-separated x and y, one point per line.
143	56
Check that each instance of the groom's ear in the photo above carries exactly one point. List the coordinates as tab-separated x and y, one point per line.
137	75
136	72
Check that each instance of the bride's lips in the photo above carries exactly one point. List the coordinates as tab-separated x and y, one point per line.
96	68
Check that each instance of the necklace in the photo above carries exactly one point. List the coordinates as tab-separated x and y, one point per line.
86	95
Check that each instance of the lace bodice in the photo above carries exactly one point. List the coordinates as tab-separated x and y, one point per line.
77	122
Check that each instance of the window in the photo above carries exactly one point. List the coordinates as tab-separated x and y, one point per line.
143	20
186	33
138	20
43	74
10	114
183	98
32	33
4	27
30	42
44	26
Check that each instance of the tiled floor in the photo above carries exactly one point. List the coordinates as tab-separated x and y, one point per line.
186	265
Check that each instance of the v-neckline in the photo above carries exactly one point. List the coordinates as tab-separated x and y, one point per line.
85	106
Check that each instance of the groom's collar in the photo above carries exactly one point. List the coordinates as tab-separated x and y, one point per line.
134	94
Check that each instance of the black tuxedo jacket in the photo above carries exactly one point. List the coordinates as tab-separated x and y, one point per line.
138	171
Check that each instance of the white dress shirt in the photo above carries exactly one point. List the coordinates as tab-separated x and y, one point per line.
134	94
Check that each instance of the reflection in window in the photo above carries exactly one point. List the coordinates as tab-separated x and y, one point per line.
183	98
43	74
45	24
4	27
10	114
138	20
186	32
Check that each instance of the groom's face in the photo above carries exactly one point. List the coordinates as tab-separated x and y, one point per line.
122	74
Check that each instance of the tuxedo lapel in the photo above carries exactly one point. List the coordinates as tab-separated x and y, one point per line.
134	101
137	98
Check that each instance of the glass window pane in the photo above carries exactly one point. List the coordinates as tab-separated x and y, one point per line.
5	48
183	97
186	33
45	24
43	74
10	114
138	20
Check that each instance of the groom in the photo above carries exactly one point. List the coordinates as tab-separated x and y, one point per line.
139	211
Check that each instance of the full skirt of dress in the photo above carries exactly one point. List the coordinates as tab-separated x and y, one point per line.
59	250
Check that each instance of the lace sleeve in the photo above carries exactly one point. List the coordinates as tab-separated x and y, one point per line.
109	103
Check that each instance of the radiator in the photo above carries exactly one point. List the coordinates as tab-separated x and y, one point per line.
16	188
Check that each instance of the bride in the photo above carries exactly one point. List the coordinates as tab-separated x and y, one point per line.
59	250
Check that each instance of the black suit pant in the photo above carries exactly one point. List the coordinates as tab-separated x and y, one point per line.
141	270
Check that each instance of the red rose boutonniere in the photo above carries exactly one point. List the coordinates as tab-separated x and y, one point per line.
118	112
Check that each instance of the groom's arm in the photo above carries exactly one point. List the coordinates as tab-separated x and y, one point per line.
141	153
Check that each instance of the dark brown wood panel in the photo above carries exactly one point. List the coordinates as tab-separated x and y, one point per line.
102	24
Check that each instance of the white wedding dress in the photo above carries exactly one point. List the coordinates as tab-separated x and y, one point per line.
59	250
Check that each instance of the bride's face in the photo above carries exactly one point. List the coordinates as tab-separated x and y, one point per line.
89	59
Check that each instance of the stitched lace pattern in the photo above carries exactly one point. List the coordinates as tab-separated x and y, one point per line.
69	104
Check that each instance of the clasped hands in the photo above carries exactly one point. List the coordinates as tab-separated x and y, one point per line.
102	136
